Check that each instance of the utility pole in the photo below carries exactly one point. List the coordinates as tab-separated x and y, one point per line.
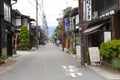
43	16
37	24
80	10
45	26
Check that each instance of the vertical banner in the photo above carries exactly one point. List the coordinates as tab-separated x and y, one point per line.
66	24
87	10
71	24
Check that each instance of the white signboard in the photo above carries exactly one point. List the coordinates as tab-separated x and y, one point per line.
77	19
78	51
107	36
94	54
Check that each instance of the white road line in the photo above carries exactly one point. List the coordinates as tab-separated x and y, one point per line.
71	70
73	74
64	66
71	66
79	74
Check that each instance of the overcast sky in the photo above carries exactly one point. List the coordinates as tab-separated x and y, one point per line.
52	9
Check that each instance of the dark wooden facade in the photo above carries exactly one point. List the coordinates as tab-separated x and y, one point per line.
115	26
1	21
103	6
19	20
108	18
5	28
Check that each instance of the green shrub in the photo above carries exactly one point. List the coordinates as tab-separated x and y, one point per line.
116	63
73	40
74	50
2	59
110	49
87	57
24	48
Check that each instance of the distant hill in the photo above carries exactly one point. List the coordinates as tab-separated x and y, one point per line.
51	31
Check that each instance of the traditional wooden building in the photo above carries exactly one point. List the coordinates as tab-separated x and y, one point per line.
104	24
19	20
16	21
65	30
6	27
74	29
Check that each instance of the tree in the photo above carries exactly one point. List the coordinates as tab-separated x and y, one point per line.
66	11
58	29
24	38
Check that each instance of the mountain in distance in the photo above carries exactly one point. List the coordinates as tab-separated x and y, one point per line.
51	30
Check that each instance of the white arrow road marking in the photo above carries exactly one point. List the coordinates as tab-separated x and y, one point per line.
71	71
64	66
73	74
80	74
71	66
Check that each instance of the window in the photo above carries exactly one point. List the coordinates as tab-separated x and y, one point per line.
7	12
18	22
106	4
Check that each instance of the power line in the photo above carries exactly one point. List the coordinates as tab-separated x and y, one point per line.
56	5
31	3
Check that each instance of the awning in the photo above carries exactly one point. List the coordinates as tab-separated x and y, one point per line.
92	29
73	12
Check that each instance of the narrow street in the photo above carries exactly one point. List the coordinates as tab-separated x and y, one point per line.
50	63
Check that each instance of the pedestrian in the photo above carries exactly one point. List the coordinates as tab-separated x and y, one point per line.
57	42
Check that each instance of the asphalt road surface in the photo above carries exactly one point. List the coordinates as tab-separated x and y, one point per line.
50	63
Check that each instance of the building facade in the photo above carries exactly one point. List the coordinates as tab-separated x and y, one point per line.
6	27
19	20
104	24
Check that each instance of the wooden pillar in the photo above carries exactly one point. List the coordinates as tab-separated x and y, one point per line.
63	36
118	3
113	27
9	45
1	23
0	36
16	37
117	25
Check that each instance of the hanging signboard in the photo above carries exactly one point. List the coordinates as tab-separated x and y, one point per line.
77	19
87	10
71	24
94	54
107	36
